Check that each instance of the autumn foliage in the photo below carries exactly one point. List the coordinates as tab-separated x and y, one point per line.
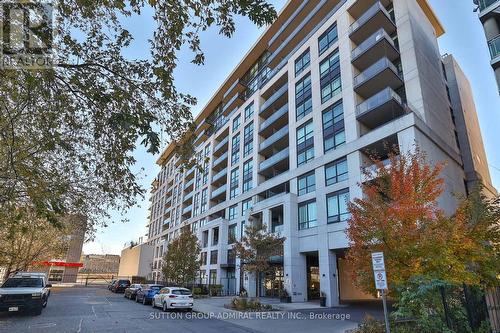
399	215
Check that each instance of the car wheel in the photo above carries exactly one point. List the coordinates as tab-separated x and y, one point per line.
44	302
37	311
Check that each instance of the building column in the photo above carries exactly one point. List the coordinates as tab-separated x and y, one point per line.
329	276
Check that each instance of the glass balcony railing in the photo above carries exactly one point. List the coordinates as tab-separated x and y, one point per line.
494	45
188	196
221	144
273	138
274	97
276	115
278	157
219	175
370	41
220	159
377	100
368	15
485	4
219	191
189	183
374	69
188	209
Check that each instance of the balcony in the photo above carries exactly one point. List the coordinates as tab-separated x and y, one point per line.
276	164
221	144
219	176
202	136
187	210
376	17
380	108
188	184
275	141
488	5
494	46
279	96
377	46
235	101
190	173
219	193
237	87
188	196
378	76
277	120
219	160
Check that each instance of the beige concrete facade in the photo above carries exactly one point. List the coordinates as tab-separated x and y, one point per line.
136	261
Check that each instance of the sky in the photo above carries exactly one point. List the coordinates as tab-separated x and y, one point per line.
464	38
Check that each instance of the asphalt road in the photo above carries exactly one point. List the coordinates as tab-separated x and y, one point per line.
98	310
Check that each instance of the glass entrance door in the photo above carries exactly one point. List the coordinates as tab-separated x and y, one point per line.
313	288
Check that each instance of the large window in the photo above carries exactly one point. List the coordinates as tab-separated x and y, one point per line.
330	80
302	62
249	111
204	200
303	100
247	175
333	127
203	258
246	205
248	140
328	38
233	211
233	184
215	236
306	183
235	150
336	172
307	215
231	233
337	206
236	123
213	257
305	143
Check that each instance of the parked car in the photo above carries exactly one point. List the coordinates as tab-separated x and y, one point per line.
111	284
146	294
173	298
120	285
131	291
24	292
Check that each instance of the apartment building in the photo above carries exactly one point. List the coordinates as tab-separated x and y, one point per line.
283	141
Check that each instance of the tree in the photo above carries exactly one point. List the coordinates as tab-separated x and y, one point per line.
67	133
181	262
256	248
399	215
31	239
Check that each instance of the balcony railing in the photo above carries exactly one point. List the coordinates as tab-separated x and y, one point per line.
273	138
188	209
188	196
370	41
219	191
485	4
220	159
374	69
276	115
378	99
219	175
494	45
189	183
368	15
221	144
274	97
278	157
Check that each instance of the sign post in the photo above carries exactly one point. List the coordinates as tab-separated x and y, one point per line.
378	265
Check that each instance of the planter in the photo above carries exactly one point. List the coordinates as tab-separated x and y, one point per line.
286	299
322	301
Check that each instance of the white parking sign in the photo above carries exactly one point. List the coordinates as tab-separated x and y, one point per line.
380	280
379	270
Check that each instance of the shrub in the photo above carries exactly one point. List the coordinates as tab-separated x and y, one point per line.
245	304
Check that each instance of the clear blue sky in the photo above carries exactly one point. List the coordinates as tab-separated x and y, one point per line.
464	39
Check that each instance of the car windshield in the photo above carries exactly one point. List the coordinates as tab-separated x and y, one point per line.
181	292
23	283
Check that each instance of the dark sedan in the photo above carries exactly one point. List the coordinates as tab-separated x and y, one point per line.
131	291
146	294
120	285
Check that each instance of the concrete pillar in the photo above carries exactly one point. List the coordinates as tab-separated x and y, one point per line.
329	276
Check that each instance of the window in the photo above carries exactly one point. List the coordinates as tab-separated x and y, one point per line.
246	205
306	183
231	259
204	238
248	140
213	257
307	215
247	175
330	77
231	233
215	236
302	62
336	172
233	210
249	111
204	200
305	143
234	183
236	123
196	204
333	127
213	276
303	100
328	38
235	150
203	258
337	206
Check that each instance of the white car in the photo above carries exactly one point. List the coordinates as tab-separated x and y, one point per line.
173	298
24	292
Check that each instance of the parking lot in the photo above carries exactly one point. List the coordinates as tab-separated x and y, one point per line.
98	310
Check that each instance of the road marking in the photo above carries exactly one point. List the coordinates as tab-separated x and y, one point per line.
93	310
80	326
43	325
